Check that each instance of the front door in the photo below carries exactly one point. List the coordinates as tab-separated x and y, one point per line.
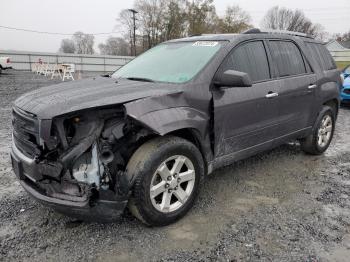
246	117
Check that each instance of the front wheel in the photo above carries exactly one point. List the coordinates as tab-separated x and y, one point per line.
167	173
322	135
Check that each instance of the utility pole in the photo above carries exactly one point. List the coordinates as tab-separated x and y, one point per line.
133	17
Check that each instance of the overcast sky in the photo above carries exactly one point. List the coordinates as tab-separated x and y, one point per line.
92	16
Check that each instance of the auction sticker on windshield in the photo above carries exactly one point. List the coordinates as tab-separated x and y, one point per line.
205	43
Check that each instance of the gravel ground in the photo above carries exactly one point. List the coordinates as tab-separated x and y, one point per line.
281	205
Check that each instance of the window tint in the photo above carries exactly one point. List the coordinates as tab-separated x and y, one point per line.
249	58
287	58
321	55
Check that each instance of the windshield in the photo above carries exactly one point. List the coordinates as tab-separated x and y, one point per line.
171	62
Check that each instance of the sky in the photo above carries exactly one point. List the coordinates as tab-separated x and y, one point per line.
95	16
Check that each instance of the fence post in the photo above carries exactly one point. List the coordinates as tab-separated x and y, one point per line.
30	62
104	64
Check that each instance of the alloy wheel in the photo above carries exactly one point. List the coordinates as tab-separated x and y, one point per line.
325	131
172	183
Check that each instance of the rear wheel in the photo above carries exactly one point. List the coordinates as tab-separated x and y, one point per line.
322	135
167	173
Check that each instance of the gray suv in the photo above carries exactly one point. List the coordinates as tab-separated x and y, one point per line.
145	136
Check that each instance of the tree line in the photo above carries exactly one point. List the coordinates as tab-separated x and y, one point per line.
161	20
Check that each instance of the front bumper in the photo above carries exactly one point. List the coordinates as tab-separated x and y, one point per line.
88	209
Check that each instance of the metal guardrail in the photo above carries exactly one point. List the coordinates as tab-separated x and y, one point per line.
98	63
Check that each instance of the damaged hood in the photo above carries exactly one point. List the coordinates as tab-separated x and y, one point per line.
55	100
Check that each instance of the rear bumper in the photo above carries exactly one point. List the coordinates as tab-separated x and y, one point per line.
89	208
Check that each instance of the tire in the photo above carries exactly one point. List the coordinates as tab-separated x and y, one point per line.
311	144
0	70
147	168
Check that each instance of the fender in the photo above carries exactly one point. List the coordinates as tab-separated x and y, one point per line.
329	91
171	119
166	113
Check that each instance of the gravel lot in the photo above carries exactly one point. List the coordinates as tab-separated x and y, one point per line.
282	205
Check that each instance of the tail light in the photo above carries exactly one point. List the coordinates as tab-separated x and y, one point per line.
8	60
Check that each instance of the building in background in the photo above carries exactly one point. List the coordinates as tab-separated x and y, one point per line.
340	50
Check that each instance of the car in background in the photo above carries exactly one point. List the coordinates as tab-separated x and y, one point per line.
345	92
5	63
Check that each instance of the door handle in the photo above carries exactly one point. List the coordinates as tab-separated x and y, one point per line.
271	95
312	86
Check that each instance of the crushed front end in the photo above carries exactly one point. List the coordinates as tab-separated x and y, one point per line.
76	163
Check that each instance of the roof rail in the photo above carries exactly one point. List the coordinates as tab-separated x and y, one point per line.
252	31
270	31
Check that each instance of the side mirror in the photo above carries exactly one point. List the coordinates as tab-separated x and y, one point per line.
232	78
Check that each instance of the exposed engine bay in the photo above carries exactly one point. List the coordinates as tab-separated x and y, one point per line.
85	156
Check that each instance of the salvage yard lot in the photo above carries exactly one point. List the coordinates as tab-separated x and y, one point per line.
281	205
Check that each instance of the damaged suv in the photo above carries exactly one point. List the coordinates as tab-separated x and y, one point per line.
145	136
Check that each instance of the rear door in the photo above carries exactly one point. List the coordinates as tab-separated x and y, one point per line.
297	86
246	117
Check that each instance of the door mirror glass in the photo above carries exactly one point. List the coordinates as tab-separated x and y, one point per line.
232	78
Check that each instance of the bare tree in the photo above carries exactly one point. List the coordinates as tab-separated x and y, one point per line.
161	20
151	17
114	46
126	25
84	43
175	24
67	46
285	19
235	20
343	37
201	17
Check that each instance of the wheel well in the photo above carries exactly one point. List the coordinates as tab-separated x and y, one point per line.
189	135
334	104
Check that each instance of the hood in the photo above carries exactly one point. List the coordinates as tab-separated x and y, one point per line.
55	100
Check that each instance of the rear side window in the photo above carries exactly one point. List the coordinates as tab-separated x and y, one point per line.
249	58
321	55
287	58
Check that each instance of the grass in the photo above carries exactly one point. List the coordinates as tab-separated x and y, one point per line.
342	64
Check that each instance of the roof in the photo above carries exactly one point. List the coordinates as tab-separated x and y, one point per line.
335	45
345	44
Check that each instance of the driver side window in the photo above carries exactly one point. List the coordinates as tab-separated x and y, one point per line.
249	58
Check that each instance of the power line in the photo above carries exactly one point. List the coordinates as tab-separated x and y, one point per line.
51	33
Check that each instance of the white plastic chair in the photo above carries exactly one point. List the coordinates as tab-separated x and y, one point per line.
43	69
34	67
68	71
57	71
39	69
48	69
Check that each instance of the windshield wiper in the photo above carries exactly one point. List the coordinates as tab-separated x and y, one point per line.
140	79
